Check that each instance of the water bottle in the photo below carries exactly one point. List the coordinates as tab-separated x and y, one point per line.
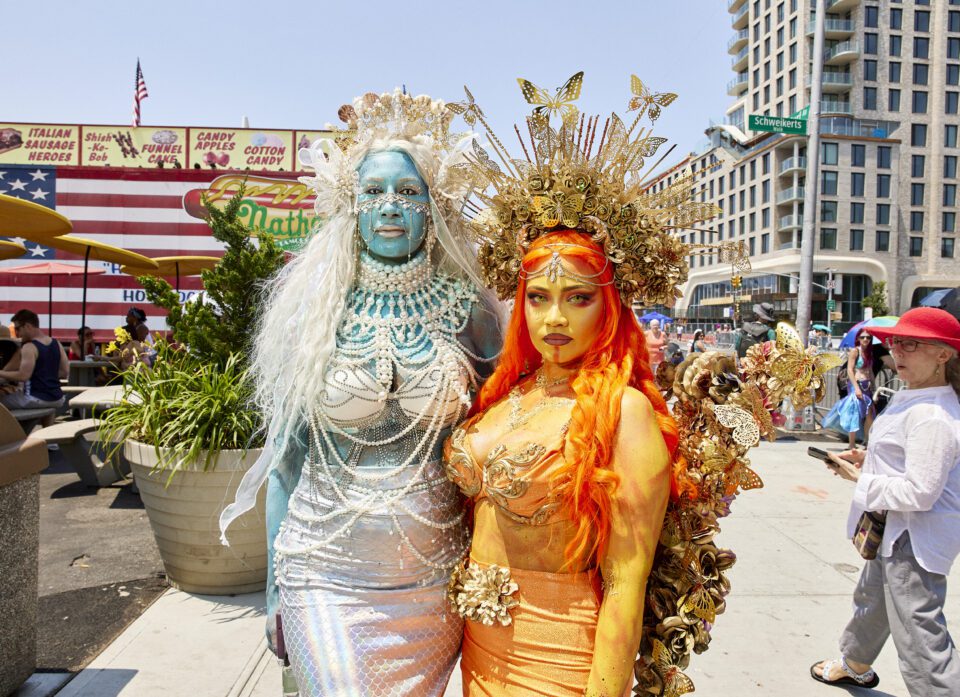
290	688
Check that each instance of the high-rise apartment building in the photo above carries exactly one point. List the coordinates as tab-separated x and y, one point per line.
887	201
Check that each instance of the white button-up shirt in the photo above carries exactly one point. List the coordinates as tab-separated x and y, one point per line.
911	470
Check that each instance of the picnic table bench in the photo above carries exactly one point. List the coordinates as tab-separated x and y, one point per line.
29	418
83	450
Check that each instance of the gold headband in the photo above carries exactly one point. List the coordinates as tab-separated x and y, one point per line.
555	269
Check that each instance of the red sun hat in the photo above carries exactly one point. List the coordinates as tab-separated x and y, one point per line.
925	324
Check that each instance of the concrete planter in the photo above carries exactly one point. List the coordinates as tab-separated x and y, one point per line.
185	521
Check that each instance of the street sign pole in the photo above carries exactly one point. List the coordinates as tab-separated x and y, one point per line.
830	303
805	290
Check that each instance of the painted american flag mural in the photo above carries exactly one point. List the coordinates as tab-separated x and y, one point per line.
143	210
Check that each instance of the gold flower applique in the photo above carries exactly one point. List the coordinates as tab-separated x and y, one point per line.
482	594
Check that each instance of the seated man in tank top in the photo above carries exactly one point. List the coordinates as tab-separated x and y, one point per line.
43	363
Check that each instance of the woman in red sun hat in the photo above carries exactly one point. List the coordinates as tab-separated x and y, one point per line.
908	489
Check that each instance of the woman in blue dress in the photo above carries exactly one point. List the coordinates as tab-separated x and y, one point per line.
372	344
854	413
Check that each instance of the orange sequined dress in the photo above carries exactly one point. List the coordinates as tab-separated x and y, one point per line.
546	645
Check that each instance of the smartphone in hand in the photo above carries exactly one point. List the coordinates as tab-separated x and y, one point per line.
820	455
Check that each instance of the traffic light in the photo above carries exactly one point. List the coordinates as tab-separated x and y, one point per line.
735	282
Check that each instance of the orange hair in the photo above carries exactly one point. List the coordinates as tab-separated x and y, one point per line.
618	358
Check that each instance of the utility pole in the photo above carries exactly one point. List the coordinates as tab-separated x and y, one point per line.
805	290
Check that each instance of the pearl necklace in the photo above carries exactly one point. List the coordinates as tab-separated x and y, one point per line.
518	417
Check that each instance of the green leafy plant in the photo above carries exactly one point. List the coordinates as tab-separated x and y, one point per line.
877	299
186	408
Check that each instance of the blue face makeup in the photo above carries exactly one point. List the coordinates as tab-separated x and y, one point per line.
393	203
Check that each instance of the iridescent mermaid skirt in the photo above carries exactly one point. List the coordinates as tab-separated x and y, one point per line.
363	615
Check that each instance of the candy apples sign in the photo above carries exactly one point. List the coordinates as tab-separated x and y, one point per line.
281	207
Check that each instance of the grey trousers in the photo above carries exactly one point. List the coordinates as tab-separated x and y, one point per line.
897	597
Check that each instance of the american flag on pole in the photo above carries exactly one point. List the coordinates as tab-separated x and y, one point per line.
139	93
137	209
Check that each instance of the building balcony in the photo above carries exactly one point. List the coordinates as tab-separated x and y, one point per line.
739	61
842	54
794	193
834	82
835	106
834	28
790	222
738	85
741	17
841	5
734	5
738	41
793	164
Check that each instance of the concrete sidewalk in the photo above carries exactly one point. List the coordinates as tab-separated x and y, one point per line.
791	596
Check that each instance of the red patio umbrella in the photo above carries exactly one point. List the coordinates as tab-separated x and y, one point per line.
50	269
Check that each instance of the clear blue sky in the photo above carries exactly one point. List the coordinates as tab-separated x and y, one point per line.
291	64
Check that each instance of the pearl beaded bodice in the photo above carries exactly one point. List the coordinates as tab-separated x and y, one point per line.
398	380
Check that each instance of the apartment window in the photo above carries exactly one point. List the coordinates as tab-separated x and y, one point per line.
883	157
949	166
858	155
921	47
870	43
765	191
916	194
870	98
793	53
953	21
883	214
829	153
921	21
753	195
946	247
857	183
766	43
896	18
733	178
918	135
828	211
883	186
764	243
856	240
870	70
766	70
951	102
919	102
793	102
917	165
765	163
916	246
856	213
895	41
780	37
753	222
953	48
828	185
756	101
753	169
765	218
871	17
766	94
792	80
732	204
916	221
950	195
893	70
780	61
780	87
953	74
883	241
828	238
720	231
893	100
950	136
949	221
921	73
743	199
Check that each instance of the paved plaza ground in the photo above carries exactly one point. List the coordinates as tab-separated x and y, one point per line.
791	594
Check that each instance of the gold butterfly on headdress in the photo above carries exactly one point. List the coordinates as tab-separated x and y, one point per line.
469	109
675	682
560	103
643	96
798	368
558	207
735	253
751	399
746	433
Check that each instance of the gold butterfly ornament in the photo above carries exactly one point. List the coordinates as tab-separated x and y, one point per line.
800	369
561	102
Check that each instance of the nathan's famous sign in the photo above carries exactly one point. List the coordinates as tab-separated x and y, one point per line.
152	146
281	207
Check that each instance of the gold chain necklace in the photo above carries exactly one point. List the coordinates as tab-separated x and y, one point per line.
518	417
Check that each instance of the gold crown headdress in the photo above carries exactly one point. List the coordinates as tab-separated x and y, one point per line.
568	183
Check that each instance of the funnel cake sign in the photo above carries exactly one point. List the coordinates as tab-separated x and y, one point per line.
281	207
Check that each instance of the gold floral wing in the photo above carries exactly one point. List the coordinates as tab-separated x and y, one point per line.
746	433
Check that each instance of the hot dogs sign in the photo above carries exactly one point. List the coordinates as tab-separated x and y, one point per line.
124	146
281	207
